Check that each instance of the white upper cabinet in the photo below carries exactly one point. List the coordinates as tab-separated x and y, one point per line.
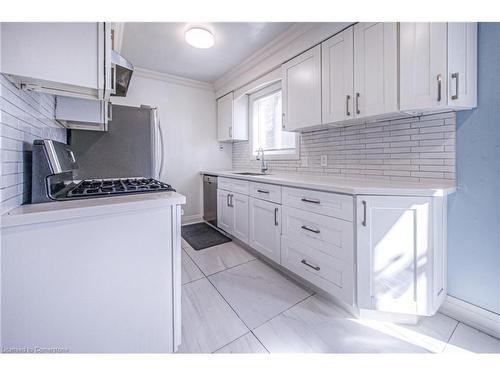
337	77
301	90
438	66
462	65
232	118
422	66
69	59
375	69
83	114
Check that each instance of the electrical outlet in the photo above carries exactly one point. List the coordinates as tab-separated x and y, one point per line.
324	160
304	161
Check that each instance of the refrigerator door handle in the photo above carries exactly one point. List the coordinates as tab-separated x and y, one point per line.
160	133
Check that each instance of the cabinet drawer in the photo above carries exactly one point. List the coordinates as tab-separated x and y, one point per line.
330	204
330	274
232	184
267	192
329	235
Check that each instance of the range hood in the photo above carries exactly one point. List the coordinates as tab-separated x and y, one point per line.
124	70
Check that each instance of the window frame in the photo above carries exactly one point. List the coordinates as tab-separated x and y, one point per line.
276	155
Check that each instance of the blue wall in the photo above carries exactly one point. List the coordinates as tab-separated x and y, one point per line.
474	211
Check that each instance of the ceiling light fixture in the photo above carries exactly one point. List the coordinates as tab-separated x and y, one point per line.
199	38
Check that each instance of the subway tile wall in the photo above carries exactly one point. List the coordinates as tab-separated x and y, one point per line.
24	117
410	149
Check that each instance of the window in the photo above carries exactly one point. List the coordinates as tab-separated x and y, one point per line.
266	130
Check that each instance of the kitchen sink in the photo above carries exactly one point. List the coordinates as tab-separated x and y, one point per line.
252	173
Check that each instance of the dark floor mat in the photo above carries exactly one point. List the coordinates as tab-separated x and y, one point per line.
201	235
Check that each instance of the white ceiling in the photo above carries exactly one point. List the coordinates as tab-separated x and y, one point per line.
160	46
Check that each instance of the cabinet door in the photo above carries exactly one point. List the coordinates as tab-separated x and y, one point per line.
265	228
62	58
394	239
337	77
225	213
423	77
240	208
375	69
85	114
462	65
225	118
301	90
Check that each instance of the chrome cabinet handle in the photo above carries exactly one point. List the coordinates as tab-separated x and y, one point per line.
364	214
347	98
283	120
455	77
227	200
307	200
276	217
110	111
316	268
230	132
317	231
439	79
231	200
357	103
263	191
113	79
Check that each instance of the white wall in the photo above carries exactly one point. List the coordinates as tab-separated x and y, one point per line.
188	121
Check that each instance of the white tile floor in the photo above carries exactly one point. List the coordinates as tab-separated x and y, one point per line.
235	303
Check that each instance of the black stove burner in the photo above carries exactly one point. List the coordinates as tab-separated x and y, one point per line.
96	188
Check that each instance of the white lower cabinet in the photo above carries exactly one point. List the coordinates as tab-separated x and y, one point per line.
383	255
239	203
232	213
401	249
333	275
265	228
225	213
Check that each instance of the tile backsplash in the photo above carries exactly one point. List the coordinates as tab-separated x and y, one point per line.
25	116
409	149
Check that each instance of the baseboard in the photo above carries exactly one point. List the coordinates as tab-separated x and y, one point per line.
472	315
190	219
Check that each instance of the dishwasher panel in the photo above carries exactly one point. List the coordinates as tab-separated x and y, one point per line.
210	199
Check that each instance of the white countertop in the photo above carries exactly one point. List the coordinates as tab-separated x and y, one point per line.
78	208
346	185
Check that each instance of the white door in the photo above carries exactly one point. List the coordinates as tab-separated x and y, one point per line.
375	68
423	73
225	118
337	77
265	228
301	90
394	239
225	213
462	64
239	203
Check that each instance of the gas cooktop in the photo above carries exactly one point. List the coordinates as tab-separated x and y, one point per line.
106	187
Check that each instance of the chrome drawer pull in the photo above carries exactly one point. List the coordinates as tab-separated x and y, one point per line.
310	201
316	268
310	230
263	191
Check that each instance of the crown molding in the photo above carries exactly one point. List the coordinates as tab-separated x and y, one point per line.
295	40
170	78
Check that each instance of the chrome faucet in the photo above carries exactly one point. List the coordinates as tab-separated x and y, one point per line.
263	164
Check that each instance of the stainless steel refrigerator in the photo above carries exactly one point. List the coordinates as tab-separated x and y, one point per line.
132	146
